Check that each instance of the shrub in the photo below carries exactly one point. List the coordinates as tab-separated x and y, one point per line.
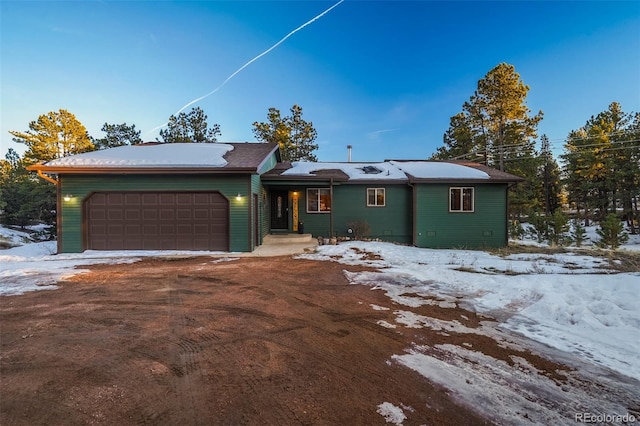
516	231
611	233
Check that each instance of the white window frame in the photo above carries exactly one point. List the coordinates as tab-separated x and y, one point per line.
377	191
462	190
318	199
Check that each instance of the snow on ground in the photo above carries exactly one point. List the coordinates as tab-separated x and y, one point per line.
573	302
35	266
568	301
391	413
577	310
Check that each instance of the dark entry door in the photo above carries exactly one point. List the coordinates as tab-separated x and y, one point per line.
279	210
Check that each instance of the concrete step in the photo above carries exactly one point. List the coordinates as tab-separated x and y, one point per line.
287	238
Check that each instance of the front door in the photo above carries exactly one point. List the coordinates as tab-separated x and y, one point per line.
280	210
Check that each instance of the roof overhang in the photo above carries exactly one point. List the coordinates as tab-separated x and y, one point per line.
140	170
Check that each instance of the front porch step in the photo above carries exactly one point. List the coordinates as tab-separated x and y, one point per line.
287	238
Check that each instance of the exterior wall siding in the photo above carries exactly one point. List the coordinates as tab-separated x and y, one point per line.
389	223
258	190
269	164
81	186
436	227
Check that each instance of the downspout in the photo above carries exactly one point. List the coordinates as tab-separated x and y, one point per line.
331	210
47	178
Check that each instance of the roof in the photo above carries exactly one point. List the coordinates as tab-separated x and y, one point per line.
166	157
390	171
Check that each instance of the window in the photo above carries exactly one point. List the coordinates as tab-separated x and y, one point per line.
318	200
461	199
375	197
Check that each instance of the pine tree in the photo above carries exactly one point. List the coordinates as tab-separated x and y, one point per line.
602	163
611	233
578	233
293	134
496	128
558	228
549	175
25	198
53	135
118	135
496	119
192	127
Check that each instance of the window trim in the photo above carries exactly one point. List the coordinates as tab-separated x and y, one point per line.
462	191
376	192
328	193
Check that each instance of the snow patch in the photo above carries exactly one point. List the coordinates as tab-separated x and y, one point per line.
391	413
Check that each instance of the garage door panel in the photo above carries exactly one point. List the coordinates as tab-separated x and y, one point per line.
184	214
149	199
149	214
132	199
115	199
132	214
115	214
167	199
157	221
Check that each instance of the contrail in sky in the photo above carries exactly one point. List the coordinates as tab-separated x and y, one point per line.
310	21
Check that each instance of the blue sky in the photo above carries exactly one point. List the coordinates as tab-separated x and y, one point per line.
383	76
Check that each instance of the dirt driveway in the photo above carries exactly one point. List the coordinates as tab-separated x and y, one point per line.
201	341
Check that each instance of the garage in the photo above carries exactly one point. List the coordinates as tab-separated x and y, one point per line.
156	221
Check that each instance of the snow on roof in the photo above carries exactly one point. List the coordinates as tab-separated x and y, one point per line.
439	170
355	171
392	170
167	154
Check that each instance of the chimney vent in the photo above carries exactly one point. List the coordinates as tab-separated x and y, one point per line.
349	153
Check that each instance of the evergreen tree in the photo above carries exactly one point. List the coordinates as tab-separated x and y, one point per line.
539	226
578	233
602	163
192	127
26	198
558	228
53	135
496	127
118	135
295	136
549	175
495	122
459	141
611	233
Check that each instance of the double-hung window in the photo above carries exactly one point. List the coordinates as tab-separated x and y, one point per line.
318	200
461	199
375	197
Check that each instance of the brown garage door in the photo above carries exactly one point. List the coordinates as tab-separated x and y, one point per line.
157	221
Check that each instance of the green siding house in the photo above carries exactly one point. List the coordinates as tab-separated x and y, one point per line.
229	196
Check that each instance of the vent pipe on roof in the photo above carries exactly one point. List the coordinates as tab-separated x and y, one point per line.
349	153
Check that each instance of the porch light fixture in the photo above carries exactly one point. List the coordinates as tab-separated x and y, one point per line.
238	197
67	197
